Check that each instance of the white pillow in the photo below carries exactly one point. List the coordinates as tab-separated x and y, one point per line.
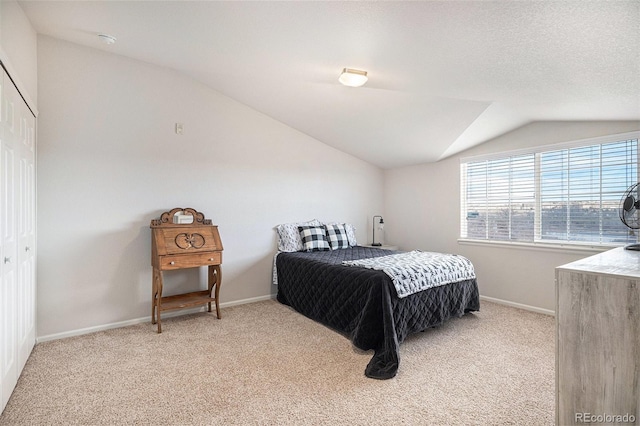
289	237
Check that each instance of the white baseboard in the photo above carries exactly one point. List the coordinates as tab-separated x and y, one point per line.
519	305
119	324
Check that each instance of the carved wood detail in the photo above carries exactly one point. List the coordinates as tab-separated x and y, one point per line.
189	240
166	218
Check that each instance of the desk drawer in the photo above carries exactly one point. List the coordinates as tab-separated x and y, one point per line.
190	260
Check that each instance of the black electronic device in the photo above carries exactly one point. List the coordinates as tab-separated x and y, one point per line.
629	207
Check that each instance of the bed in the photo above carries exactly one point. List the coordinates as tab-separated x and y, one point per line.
363	303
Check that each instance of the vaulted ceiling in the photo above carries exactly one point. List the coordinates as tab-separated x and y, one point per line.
443	75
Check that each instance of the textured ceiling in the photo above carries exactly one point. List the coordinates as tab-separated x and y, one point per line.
443	76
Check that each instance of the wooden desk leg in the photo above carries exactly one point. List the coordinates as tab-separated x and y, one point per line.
154	294
210	282
215	279
218	284
158	300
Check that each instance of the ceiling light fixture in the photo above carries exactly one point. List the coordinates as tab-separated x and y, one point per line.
107	39
353	78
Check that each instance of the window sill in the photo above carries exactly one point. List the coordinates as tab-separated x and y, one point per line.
560	247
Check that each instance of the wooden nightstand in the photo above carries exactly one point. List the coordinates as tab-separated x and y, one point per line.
184	245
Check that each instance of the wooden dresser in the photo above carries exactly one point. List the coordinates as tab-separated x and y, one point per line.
598	339
183	238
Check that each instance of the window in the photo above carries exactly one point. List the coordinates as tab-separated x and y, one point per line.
567	193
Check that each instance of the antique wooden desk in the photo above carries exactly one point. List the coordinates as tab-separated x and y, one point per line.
176	244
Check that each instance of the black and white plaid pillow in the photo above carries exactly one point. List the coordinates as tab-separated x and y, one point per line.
351	231
314	238
337	236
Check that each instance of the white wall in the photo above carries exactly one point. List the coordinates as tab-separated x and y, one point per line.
109	162
422	212
18	49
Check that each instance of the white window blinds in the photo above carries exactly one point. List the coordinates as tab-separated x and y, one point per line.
565	195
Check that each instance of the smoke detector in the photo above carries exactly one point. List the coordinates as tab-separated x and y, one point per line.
106	38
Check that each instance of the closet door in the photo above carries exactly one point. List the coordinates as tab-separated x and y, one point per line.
17	235
8	248
26	232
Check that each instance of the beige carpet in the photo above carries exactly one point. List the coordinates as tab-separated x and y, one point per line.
264	364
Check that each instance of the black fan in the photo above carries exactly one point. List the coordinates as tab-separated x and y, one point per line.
629	207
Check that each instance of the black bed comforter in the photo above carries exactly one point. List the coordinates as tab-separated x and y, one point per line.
363	302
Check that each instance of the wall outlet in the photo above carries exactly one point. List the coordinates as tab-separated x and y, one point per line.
179	128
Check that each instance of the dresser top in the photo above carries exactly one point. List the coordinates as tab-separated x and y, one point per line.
618	261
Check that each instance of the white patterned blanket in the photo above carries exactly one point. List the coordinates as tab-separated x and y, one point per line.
415	271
